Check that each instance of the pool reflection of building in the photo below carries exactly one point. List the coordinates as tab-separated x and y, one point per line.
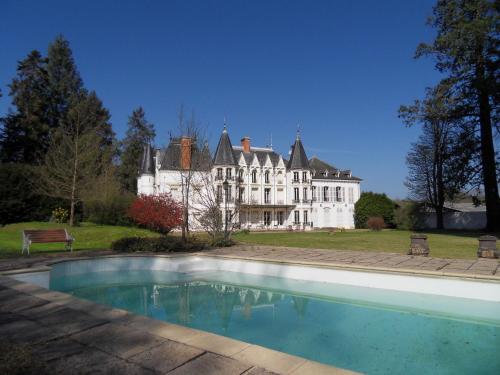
187	301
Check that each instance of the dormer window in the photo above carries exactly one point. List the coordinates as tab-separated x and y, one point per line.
325	173
266	177
254	176
240	174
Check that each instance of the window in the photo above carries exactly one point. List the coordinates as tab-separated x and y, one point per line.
296	194
295	176
296	217
304	195
229	172
325	194
313	192
255	195
219	192
219	173
254	176
266	177
305	217
304	176
267	218
280	178
267	195
280	217
240	174
350	195
338	194
229	193
241	196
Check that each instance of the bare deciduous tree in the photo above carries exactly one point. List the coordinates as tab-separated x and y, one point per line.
73	160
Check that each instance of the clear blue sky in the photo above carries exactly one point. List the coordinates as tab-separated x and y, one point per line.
339	68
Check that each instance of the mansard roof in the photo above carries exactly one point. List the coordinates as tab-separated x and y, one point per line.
321	170
147	165
170	158
224	154
298	158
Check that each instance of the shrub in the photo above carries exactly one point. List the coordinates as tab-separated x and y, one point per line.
221	242
373	205
111	211
159	213
164	244
245	231
409	215
19	200
60	215
375	223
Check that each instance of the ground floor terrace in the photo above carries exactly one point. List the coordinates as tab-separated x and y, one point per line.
71	335
282	217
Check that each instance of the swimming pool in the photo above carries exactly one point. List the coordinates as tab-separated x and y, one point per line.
370	322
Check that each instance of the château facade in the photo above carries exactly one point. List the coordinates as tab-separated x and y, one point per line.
262	188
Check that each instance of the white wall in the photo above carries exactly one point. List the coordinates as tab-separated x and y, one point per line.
458	220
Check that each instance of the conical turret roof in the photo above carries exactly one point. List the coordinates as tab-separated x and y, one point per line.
224	154
298	158
147	163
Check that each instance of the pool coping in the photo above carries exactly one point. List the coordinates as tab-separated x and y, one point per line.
251	354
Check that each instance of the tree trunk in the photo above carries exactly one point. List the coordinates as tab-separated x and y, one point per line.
439	218
488	157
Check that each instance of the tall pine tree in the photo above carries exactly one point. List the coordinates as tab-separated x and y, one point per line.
24	137
139	132
466	48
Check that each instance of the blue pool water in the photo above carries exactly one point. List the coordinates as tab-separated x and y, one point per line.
367	337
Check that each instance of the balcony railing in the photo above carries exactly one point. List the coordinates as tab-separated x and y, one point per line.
222	178
295	200
306	200
295	181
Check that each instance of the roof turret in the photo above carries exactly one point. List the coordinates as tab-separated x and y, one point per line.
224	154
298	157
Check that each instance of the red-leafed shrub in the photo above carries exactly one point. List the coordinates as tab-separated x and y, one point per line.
375	223
159	213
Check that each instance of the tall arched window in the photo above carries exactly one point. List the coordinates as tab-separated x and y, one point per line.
254	176
266	177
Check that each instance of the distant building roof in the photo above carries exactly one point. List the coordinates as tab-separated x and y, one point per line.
464	207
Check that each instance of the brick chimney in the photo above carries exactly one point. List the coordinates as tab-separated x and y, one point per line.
245	143
186	143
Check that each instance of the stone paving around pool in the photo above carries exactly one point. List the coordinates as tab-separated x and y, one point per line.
480	268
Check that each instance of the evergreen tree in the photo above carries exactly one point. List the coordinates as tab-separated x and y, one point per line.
64	81
139	132
466	47
25	133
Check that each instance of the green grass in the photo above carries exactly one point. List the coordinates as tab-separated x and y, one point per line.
87	236
446	244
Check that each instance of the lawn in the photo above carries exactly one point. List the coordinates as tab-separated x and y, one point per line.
88	236
446	244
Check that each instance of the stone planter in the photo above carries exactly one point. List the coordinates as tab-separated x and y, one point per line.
419	245
488	247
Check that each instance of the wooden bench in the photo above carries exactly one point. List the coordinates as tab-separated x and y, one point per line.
46	236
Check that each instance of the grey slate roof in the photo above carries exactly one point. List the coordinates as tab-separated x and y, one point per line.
324	171
298	158
170	158
147	165
224	154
